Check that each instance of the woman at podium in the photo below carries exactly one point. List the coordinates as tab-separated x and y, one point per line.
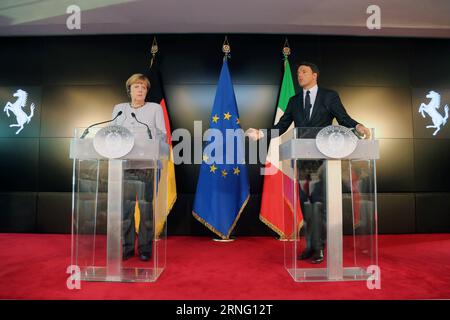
147	120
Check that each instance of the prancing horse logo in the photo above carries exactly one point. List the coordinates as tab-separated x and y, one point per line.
431	109
16	108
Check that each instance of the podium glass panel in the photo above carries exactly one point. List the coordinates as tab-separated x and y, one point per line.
119	210
330	203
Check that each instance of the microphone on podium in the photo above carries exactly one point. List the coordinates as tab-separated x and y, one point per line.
148	129
86	131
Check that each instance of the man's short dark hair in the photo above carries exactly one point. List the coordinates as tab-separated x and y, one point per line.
313	66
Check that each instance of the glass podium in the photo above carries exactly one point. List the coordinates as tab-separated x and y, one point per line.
119	204
329	186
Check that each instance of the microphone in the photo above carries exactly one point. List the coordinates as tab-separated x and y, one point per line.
86	131
148	129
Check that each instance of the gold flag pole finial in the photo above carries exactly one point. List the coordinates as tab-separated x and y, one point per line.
286	48
153	50
226	49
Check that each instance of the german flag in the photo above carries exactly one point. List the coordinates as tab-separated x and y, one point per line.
156	94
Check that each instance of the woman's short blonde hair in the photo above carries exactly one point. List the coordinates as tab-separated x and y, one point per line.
137	77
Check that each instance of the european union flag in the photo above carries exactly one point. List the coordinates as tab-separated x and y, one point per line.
222	188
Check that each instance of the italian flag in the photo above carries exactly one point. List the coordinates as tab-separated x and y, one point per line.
277	208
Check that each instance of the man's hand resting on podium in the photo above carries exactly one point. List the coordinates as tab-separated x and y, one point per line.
254	134
365	132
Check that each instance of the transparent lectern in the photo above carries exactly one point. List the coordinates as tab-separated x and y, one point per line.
119	204
329	190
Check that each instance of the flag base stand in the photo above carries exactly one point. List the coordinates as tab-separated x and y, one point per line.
224	240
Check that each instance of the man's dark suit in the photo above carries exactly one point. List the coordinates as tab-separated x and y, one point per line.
327	106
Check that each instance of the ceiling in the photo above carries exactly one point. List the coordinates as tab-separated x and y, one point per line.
413	18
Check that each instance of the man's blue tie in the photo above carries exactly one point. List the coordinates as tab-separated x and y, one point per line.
307	105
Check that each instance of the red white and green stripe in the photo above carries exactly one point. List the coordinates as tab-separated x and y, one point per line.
276	208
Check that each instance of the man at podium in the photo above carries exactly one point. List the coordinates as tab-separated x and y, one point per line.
138	183
313	107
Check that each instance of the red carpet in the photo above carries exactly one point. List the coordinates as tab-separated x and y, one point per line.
33	266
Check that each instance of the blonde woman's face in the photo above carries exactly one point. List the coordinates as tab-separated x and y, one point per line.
138	91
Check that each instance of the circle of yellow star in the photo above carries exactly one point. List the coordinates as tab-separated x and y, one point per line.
238	121
205	157
224	173
215	118
236	171
212	168
227	116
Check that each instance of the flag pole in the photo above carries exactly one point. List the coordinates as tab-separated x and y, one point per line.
286	52
226	49
154	51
